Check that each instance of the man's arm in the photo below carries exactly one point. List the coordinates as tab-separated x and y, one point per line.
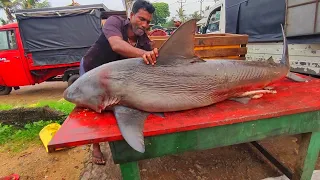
125	49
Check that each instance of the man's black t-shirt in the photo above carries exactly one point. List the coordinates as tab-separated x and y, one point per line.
101	51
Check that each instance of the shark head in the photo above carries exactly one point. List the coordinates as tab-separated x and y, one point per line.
85	92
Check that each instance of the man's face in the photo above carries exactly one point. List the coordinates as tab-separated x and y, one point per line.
140	21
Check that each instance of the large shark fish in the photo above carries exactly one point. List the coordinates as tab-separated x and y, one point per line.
179	81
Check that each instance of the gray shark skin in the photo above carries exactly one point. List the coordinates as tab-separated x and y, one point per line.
178	81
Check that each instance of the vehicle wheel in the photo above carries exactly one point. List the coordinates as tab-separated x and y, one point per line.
72	79
4	90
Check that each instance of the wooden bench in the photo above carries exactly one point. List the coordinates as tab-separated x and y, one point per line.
295	109
215	46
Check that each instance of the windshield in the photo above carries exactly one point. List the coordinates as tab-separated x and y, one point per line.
7	40
214	21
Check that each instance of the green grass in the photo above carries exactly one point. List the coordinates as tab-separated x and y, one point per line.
15	139
5	107
61	105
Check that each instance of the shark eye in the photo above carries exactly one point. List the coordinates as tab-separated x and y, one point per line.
77	90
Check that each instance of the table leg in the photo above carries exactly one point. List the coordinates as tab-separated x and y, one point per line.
130	171
308	155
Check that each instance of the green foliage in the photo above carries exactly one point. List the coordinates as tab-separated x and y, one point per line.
5	133
61	105
195	15
5	107
29	4
9	5
169	23
15	139
161	13
3	21
181	14
43	4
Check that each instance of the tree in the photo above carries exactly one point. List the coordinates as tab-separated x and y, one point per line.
195	15
169	23
10	5
181	14
43	4
29	4
3	21
161	13
7	6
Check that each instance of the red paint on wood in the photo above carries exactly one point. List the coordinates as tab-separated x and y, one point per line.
85	126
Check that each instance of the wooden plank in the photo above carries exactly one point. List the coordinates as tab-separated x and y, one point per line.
209	41
307	157
221	52
221	34
210	35
158	43
219	136
225	57
206	36
130	171
216	47
219	41
220	46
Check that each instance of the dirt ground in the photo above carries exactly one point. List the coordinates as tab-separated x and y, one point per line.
234	162
32	94
36	163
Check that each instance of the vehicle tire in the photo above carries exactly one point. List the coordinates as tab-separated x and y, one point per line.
4	90
72	79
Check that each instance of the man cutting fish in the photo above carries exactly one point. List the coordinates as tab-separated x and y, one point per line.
121	39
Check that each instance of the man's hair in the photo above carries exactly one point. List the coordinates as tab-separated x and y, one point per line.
142	4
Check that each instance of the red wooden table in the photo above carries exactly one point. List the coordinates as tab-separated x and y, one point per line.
295	109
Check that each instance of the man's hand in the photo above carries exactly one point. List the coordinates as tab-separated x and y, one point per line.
150	57
125	49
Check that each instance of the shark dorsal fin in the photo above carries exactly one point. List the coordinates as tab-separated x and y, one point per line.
180	44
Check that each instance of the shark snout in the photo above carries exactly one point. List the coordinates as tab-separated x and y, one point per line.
67	95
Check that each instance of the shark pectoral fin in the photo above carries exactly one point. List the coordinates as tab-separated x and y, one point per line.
131	123
243	100
296	78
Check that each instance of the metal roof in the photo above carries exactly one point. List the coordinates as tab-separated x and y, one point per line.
101	7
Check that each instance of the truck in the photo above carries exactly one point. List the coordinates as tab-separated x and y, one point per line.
261	21
48	44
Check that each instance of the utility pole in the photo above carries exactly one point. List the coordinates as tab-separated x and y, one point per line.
181	16
181	2
201	7
128	5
